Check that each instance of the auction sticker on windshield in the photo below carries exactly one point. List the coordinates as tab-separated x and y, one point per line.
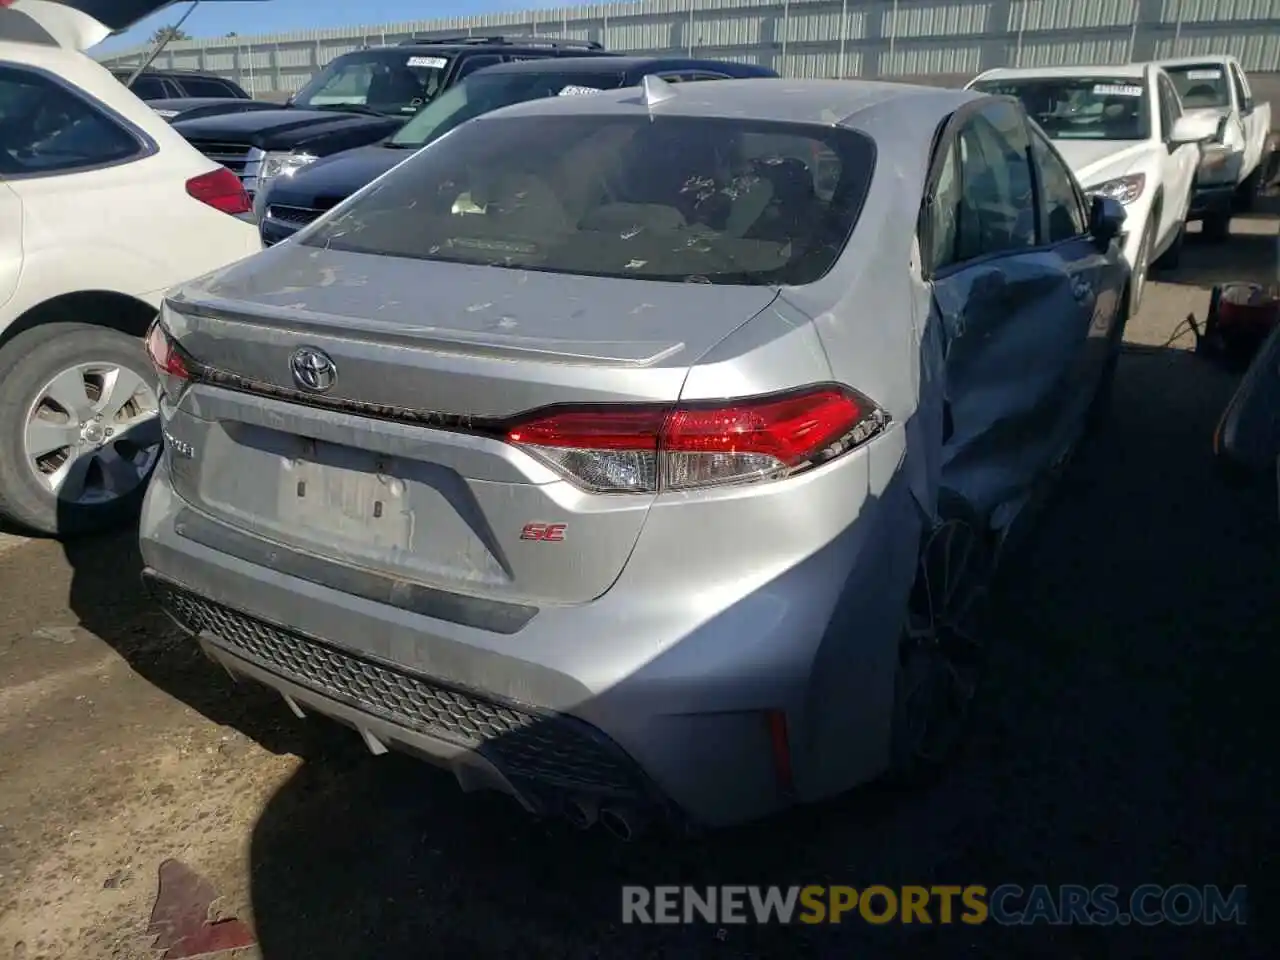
572	90
1204	74
436	63
1116	90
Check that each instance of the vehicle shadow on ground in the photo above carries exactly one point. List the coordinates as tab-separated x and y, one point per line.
1248	256
108	597
1121	740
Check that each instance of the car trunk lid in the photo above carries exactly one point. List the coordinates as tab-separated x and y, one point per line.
388	470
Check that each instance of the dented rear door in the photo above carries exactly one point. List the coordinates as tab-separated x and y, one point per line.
1018	312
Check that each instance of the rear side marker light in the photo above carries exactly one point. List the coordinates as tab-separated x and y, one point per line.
165	355
624	448
780	745
222	190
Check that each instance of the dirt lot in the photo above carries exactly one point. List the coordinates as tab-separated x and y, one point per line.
1121	741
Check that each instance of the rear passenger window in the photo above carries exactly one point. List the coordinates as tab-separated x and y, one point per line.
206	87
149	88
47	128
997	208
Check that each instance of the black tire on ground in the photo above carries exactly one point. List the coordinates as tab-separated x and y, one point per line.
27	363
1216	227
922	676
1247	192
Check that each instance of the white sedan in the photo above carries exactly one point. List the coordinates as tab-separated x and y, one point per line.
1122	131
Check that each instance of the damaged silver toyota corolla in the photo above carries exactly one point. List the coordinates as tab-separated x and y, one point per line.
641	454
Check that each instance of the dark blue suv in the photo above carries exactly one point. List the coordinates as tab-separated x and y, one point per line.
293	202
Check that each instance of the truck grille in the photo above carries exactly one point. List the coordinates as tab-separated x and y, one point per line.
234	156
551	750
300	216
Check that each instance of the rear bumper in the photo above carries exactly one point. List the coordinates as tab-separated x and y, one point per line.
661	704
486	742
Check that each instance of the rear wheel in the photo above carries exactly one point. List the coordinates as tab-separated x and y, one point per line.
79	428
1247	192
1216	226
941	650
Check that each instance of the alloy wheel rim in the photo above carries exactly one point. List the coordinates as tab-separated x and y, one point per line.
92	433
942	653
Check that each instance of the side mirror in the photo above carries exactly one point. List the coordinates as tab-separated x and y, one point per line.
1194	128
1106	220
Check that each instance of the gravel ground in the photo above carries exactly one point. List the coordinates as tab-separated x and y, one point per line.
1121	741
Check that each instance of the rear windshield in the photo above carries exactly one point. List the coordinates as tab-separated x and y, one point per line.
1201	85
672	198
482	92
1081	108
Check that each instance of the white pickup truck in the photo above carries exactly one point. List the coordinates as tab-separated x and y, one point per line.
1230	168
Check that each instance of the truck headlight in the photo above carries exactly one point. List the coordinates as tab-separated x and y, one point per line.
282	164
1122	189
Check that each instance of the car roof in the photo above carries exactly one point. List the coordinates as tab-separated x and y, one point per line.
1208	58
824	102
1134	70
551	46
625	64
158	72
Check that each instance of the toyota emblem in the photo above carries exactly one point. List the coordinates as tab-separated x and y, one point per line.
313	370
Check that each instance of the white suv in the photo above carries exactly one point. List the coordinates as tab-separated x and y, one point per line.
103	207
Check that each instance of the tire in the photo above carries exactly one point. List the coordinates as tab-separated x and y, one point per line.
113	436
1216	227
939	666
1247	192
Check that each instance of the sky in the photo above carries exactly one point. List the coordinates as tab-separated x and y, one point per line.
275	16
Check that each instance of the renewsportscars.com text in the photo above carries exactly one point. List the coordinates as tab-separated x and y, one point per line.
1006	905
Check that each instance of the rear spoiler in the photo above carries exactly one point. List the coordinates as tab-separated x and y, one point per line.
73	24
50	24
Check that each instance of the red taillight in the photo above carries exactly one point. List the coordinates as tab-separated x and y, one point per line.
164	354
646	448
222	190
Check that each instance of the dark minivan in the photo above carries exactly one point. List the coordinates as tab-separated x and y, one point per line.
294	201
359	98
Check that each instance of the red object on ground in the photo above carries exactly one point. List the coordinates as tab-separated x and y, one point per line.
1244	317
180	918
1248	305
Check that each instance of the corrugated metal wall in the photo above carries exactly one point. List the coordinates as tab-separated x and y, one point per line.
803	38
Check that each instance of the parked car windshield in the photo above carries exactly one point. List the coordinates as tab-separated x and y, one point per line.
1201	85
393	82
1080	108
673	198
482	92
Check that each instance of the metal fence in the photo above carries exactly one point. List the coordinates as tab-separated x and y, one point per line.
907	39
